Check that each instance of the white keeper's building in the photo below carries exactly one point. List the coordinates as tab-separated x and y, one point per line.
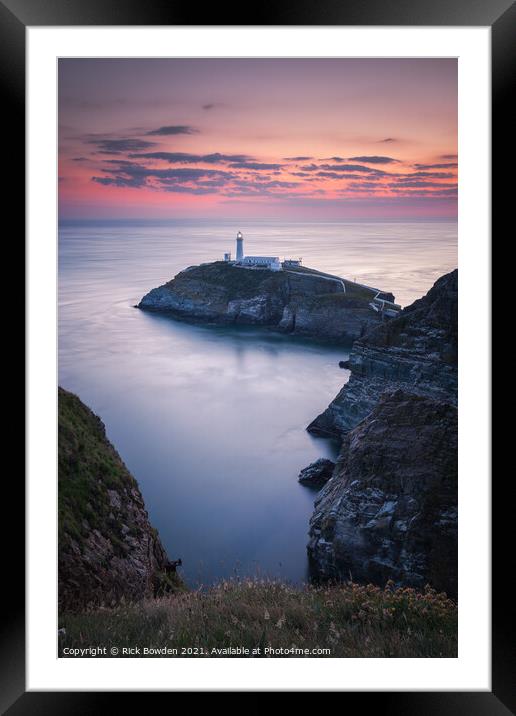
270	262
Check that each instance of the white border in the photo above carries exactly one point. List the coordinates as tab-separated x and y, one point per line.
471	670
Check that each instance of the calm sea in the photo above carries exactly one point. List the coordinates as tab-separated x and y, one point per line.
211	421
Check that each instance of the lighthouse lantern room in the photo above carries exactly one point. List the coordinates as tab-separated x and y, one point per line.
239	246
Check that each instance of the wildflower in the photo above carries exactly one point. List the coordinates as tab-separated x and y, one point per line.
266	615
280	622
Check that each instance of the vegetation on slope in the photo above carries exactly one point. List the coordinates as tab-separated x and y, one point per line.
238	282
88	466
259	616
108	550
355	290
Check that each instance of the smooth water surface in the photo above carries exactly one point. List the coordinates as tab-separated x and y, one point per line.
211	421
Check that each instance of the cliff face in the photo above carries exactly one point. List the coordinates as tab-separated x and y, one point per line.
417	351
299	301
390	509
107	548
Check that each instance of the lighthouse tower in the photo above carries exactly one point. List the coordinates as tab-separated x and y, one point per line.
239	246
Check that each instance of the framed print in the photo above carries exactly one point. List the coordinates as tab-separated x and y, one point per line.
259	319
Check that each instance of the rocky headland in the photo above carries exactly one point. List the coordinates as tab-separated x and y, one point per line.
108	550
389	510
416	351
299	300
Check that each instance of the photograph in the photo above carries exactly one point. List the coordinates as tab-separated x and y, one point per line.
258	357
258	442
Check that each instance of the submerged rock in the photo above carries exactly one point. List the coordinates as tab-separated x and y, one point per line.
297	300
390	509
417	351
317	473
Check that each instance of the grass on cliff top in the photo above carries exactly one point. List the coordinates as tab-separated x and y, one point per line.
237	281
333	300
242	281
353	289
348	620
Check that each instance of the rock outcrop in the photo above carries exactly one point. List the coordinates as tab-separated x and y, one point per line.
416	351
108	551
317	473
300	301
390	509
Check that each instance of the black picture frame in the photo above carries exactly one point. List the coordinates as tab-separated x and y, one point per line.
15	17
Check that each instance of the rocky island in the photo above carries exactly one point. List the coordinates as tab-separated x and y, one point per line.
389	509
293	299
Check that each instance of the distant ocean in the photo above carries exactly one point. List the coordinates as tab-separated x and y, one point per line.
211	421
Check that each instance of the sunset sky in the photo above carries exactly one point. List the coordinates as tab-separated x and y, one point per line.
303	139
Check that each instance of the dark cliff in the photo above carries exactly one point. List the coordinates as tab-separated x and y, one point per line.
300	301
390	509
416	351
108	551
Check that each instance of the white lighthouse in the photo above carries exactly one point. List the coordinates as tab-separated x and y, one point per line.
252	262
239	246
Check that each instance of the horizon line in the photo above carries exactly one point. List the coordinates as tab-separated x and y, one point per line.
410	219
